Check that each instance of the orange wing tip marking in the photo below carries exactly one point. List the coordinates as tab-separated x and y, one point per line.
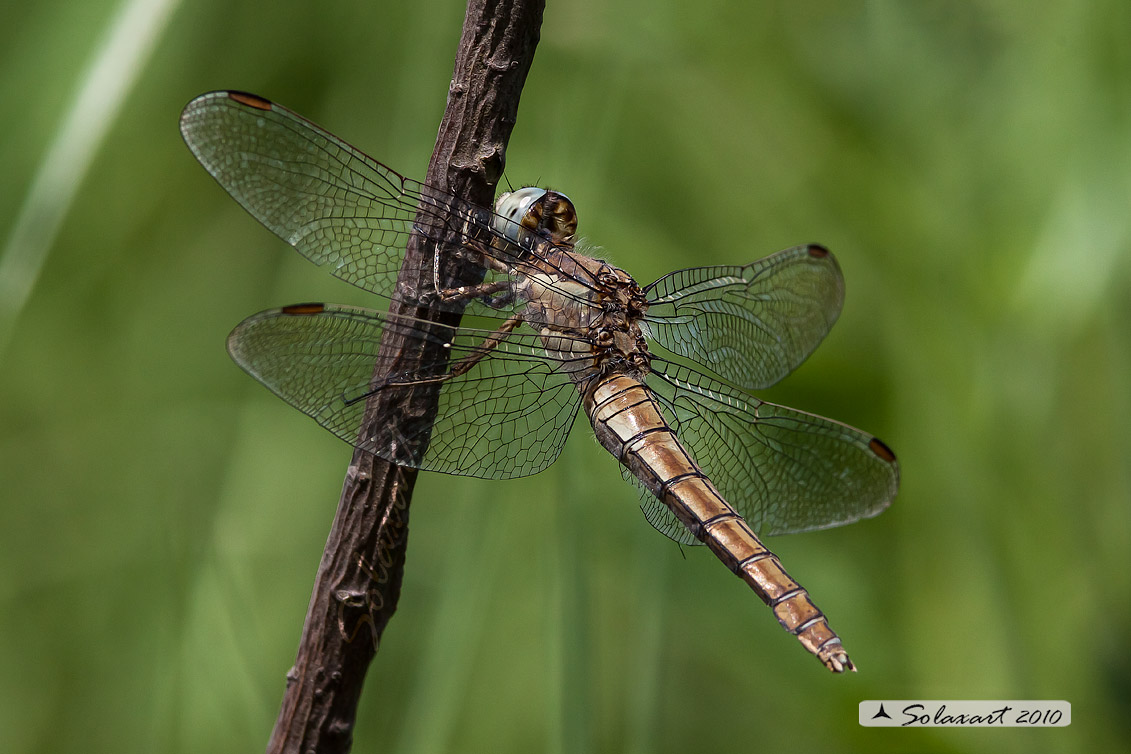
304	309
251	100
883	451
817	251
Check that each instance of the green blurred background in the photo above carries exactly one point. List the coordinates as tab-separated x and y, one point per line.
162	515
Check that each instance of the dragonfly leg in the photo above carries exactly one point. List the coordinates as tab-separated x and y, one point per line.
489	344
461	366
506	298
457	368
470	291
482	290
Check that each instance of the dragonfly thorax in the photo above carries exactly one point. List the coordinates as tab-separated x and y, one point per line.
588	312
617	334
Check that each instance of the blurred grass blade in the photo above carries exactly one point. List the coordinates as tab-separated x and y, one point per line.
112	71
1077	255
437	696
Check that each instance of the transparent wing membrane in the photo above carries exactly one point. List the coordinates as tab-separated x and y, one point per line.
507	416
334	204
508	390
784	471
750	325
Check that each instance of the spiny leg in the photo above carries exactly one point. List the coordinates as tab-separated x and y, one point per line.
489	344
475	291
481	290
462	366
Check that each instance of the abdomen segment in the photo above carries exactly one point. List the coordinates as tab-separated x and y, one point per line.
628	423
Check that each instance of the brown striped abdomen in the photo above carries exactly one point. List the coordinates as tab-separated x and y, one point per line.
628	423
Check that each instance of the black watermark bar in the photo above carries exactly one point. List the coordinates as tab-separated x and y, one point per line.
965	713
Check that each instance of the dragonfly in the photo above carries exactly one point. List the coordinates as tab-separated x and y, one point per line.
664	372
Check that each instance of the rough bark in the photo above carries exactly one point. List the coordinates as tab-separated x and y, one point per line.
359	579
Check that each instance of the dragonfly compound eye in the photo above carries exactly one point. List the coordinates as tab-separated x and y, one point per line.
559	217
549	214
514	212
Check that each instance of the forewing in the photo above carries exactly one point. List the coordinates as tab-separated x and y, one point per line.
784	470
750	325
337	206
507	416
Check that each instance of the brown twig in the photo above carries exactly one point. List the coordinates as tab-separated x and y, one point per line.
359	578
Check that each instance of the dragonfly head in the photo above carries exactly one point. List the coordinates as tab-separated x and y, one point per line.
546	213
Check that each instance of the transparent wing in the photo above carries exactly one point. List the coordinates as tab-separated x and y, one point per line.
785	471
337	206
507	416
750	325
